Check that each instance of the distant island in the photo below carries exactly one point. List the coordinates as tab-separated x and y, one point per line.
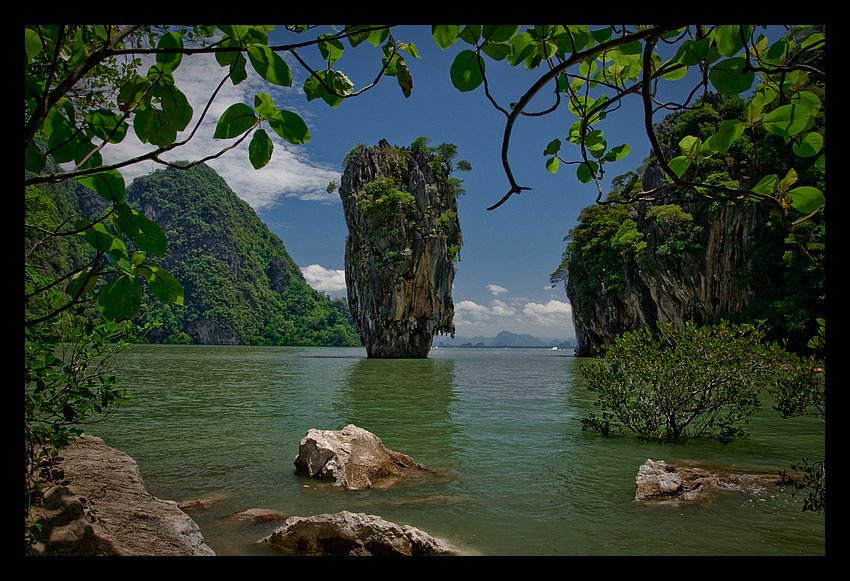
503	339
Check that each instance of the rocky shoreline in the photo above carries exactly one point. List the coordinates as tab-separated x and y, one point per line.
99	505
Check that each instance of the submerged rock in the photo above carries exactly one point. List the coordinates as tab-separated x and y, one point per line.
657	480
353	534
352	458
403	238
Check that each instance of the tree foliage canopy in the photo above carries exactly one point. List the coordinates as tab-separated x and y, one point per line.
694	382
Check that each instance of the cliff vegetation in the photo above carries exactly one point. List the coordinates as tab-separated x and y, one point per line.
683	256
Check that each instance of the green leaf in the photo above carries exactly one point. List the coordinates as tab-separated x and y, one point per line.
729	131
776	52
236	120
150	236
409	48
470	33
552	164
264	106
497	52
445	35
677	71
679	165
160	126
618	153
260	149
806	199
82	283
729	77
269	65
752	113
807	99
120	299
138	258
499	32
164	286
102	240
728	39
109	184
553	147
586	170
132	92
337	81
331	50
467	71
405	80
34	159
809	145
789	180
690	146
32	45
290	127
787	120
602	34
59	132
356	34
820	162
377	37
523	45
693	52
238	72
767	184
170	40
107	125
175	105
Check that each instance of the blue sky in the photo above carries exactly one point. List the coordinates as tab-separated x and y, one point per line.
502	279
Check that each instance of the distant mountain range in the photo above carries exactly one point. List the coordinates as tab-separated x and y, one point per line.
503	339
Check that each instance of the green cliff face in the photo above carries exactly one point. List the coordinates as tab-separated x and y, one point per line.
403	238
680	256
241	287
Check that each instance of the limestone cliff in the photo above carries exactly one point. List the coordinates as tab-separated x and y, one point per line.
708	278
403	237
682	256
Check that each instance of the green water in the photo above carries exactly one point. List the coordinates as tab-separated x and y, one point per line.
515	475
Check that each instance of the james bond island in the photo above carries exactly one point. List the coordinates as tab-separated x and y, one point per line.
403	239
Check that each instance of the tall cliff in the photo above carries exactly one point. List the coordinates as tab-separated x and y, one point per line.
685	257
403	237
240	284
692	265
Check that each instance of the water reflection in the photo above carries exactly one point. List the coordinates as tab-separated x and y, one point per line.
405	402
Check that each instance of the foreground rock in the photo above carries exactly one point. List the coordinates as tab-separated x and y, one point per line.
353	534
352	458
657	480
403	239
101	508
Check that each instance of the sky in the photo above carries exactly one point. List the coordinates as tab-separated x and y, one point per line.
502	281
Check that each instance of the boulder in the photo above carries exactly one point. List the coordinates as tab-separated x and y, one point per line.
260	515
101	508
353	534
352	458
657	480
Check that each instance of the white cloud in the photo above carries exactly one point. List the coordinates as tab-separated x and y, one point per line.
290	172
496	289
470	310
550	319
323	279
501	309
551	313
